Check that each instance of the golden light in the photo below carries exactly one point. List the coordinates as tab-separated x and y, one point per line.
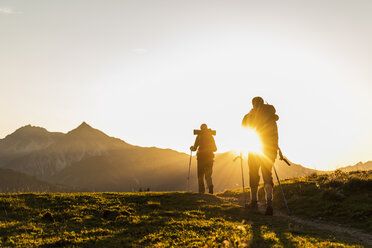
249	141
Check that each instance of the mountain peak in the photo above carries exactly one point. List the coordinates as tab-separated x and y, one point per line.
29	130
27	139
84	125
86	130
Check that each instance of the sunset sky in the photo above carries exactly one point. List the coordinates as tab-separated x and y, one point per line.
149	72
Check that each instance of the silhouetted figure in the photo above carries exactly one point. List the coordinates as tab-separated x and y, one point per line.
263	119
205	156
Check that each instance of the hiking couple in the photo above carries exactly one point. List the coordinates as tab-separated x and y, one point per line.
262	118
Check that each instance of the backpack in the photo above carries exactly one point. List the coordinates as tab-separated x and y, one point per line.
260	117
207	147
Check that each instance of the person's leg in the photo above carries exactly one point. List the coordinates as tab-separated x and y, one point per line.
201	177
266	170
254	178
208	176
269	197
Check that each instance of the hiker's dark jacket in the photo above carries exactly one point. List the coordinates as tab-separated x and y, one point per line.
207	146
263	120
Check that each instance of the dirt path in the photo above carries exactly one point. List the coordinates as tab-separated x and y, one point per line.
318	224
333	227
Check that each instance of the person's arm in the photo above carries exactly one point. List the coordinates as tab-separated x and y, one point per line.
196	144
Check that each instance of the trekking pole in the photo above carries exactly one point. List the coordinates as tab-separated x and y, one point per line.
241	167
188	177
281	189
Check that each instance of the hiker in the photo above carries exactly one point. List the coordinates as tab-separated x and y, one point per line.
205	156
262	118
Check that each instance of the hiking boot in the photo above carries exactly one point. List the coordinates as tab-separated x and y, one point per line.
252	205
269	210
211	189
201	189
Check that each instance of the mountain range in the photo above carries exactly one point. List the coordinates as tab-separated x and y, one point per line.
86	159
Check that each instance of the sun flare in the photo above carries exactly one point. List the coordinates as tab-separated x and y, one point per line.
249	141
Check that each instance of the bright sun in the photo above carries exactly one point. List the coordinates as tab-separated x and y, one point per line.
249	141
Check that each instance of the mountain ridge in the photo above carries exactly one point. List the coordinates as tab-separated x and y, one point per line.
71	147
358	166
88	159
28	138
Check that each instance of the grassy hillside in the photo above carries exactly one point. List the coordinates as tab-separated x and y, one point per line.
147	220
340	197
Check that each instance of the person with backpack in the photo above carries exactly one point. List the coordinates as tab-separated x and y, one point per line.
262	118
206	147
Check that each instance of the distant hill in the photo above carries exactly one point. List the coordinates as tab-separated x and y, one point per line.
89	160
12	181
358	167
127	170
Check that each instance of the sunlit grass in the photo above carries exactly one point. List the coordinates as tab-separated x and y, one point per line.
144	220
338	197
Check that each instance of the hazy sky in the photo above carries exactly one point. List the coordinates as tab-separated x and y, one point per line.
149	72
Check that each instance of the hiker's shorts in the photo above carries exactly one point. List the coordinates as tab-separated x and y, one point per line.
256	161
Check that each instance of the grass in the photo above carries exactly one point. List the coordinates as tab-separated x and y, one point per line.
173	219
340	197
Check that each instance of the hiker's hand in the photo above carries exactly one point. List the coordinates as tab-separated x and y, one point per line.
192	148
